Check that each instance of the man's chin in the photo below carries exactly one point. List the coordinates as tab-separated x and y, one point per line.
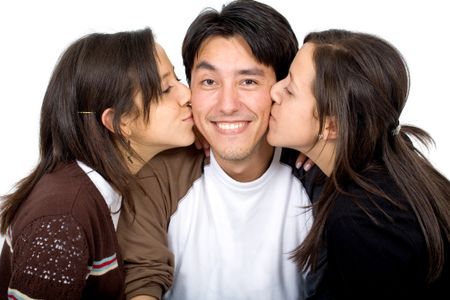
236	154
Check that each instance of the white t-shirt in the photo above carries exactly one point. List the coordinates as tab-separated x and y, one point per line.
232	240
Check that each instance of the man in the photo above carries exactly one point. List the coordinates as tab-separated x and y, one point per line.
232	221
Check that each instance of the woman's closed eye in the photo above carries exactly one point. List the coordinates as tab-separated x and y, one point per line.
287	91
167	90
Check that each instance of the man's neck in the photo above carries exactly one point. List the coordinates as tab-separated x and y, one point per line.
250	168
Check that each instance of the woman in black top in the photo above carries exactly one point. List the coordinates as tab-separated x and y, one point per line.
382	221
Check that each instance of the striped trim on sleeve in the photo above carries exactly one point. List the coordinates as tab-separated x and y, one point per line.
103	266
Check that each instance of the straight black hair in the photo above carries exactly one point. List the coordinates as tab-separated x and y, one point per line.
267	32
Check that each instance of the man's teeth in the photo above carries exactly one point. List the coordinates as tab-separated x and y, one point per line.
230	126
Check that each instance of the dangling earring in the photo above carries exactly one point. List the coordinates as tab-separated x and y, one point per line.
320	136
129	152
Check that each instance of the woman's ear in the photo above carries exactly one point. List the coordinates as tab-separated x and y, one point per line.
331	128
107	119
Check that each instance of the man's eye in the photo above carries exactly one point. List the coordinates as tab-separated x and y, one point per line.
249	82
208	82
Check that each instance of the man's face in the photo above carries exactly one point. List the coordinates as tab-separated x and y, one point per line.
231	97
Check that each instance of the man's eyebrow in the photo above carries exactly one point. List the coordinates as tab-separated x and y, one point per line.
252	71
205	65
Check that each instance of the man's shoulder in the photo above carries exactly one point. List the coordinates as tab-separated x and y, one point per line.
313	180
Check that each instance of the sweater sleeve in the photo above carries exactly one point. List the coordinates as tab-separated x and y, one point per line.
49	260
142	238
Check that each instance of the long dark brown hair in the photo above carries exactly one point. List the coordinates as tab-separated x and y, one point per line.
363	81
96	72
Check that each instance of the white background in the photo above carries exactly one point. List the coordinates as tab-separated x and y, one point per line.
33	34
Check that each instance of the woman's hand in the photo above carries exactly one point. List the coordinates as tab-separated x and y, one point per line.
303	160
200	142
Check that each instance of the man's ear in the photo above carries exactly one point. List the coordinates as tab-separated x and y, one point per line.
331	128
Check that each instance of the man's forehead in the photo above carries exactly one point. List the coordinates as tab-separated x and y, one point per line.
230	55
218	48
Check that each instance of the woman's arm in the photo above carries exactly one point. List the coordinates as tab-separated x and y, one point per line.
148	261
142	238
144	297
49	260
374	261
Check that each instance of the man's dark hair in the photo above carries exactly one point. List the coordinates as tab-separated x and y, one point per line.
268	34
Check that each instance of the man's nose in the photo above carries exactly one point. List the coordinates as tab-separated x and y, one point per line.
229	100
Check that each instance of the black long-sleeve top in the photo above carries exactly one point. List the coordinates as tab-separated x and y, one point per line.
367	259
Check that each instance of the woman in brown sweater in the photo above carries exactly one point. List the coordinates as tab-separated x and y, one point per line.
112	103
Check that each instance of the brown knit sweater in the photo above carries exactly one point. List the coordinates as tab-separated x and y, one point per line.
62	243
